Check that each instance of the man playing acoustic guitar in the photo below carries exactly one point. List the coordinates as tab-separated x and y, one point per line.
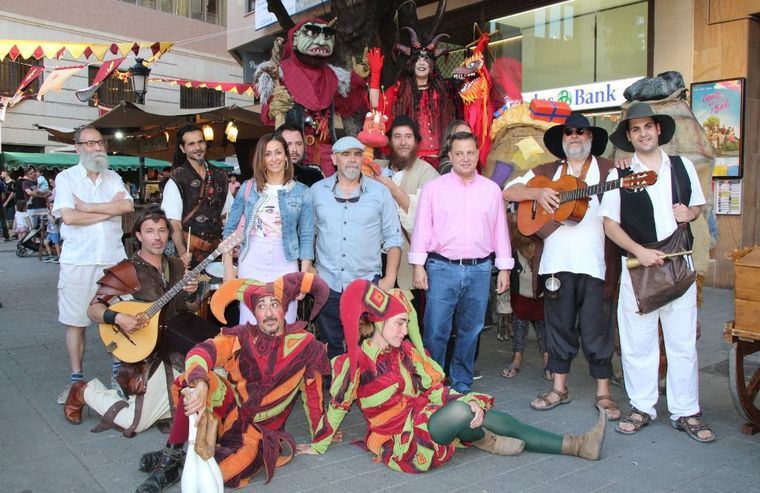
146	276
576	254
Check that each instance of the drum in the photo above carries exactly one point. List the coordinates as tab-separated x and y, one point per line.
215	271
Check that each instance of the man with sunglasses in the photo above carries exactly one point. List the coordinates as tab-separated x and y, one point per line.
90	199
356	220
579	256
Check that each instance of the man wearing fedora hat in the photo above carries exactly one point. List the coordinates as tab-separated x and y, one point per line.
633	219
576	255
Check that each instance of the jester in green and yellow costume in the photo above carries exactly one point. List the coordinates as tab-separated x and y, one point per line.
414	421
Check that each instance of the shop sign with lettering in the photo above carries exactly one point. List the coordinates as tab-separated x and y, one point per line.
604	94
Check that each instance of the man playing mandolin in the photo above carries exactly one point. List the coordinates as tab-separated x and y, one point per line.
146	277
574	254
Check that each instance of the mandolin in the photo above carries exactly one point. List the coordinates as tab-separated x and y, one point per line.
574	194
138	345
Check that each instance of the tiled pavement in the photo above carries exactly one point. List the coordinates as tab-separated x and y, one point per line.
41	452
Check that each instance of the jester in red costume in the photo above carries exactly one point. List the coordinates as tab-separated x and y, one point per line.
415	422
475	93
420	93
267	365
308	91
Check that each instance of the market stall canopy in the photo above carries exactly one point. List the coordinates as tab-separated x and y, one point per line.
149	131
62	160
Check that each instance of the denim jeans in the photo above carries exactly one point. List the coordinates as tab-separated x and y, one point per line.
459	291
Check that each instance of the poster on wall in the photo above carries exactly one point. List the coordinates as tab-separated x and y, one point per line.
728	197
719	107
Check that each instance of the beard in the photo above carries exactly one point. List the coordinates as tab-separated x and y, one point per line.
351	174
398	162
575	153
95	162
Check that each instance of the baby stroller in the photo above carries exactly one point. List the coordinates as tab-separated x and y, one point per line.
29	245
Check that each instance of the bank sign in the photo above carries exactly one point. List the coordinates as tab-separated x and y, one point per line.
587	96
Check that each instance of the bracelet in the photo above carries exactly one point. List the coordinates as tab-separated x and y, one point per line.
109	316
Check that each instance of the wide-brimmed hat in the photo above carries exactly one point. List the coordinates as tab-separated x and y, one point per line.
642	110
553	136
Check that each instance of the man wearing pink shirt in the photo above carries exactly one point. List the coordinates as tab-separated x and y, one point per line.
459	233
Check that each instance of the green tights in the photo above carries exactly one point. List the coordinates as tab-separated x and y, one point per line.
453	421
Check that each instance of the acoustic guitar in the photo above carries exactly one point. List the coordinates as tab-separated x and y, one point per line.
138	345
574	195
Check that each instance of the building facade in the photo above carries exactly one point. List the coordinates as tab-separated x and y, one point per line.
199	53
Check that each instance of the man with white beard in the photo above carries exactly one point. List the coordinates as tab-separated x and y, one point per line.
355	219
90	199
581	258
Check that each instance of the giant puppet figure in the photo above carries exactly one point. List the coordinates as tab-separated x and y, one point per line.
420	93
309	91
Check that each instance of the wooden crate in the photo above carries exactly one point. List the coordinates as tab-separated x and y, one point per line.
747	293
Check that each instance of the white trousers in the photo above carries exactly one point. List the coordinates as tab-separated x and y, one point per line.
640	348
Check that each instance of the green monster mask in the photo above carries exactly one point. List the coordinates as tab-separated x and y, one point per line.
314	39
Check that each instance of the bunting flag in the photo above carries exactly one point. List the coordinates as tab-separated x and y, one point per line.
103	72
31	76
55	80
54	49
231	87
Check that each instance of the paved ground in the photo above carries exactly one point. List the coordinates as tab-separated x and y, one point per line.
41	452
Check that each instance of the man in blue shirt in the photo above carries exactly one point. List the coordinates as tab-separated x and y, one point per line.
356	219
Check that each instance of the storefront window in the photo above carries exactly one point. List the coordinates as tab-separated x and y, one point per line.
570	44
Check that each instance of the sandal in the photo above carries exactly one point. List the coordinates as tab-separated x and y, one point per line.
692	425
638	423
510	371
564	398
612	410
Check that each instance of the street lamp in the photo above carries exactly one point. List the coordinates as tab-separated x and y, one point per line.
139	74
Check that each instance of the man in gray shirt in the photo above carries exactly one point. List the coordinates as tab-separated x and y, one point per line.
356	219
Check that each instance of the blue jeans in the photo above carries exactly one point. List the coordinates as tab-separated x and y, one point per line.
459	291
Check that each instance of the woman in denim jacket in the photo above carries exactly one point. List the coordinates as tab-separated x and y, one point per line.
279	221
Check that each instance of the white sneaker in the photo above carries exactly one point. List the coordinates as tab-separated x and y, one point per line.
63	395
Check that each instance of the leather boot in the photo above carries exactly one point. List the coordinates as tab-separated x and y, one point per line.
167	473
72	409
499	445
589	445
151	461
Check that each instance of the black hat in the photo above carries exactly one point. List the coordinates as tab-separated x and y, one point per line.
642	110
405	121
553	136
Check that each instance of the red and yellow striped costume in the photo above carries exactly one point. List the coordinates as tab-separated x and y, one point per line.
397	390
264	375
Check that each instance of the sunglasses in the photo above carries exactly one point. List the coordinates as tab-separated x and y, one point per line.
577	131
315	30
342	200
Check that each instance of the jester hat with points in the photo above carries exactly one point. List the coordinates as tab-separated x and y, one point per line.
285	289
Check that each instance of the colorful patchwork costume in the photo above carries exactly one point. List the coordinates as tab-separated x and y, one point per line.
264	375
414	422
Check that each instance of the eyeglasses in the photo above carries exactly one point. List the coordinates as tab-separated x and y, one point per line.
577	131
93	143
315	30
342	200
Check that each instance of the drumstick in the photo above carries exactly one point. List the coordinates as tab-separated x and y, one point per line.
632	263
189	236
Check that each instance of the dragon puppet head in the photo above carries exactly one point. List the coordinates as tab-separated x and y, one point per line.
476	80
315	38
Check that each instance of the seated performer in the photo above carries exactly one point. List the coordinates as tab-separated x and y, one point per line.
267	364
150	274
415	422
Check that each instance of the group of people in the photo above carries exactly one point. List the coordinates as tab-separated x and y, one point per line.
375	252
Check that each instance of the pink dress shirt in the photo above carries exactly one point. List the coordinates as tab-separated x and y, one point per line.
461	221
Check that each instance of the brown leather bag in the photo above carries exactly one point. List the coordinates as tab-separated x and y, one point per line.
658	285
205	435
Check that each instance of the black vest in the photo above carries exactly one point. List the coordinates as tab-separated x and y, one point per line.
152	285
636	210
206	202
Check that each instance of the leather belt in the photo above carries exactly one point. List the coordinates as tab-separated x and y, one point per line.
461	261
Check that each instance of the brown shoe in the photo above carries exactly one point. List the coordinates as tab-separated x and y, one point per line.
589	445
72	409
499	445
